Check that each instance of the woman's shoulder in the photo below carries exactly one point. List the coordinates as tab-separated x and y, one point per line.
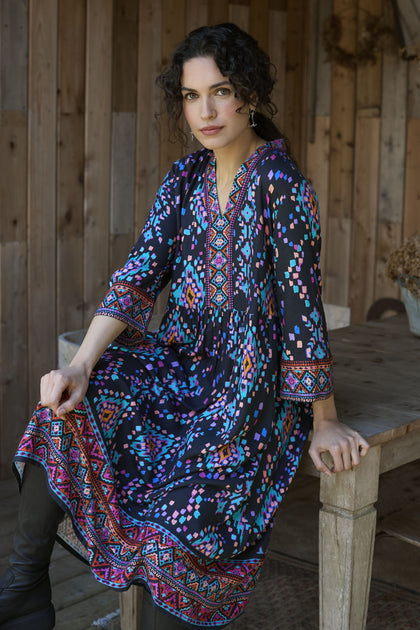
192	163
277	165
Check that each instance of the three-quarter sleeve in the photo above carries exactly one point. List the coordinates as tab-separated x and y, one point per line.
306	363
134	288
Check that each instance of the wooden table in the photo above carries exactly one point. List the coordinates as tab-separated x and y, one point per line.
377	383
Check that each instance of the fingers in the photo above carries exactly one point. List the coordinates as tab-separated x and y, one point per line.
62	390
319	463
364	446
53	387
69	403
345	446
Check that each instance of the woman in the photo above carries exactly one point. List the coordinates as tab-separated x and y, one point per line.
170	452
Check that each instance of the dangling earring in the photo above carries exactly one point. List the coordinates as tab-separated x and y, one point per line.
192	135
252	122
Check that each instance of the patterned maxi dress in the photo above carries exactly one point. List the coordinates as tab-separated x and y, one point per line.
173	466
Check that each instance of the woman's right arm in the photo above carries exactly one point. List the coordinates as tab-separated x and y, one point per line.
63	389
127	306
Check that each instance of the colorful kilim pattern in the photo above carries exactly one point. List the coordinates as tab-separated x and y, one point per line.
218	260
132	306
173	466
307	379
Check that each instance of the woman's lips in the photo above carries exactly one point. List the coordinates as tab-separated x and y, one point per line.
210	131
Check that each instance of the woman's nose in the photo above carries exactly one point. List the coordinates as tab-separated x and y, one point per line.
208	110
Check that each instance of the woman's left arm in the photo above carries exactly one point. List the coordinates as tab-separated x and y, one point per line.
345	445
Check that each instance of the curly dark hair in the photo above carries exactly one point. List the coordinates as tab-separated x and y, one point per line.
238	57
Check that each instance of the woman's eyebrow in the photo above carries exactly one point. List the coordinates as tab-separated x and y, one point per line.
212	87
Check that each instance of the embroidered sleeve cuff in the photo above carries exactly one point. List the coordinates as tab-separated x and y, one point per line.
131	305
306	381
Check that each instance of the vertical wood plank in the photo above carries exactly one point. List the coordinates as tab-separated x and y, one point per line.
14	407
13	54
122	186
361	294
389	237
239	15
412	180
317	171
70	155
343	81
365	191
413	103
196	14
258	22
13	284
97	151
277	51
323	70
13	347
295	105
42	93
173	29
318	151
72	56
70	250
218	11
13	179
148	145
393	136
391	167
148	105
340	199
337	262
124	57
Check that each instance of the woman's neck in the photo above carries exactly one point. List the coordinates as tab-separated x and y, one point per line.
229	160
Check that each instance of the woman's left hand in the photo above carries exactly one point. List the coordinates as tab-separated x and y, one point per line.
345	445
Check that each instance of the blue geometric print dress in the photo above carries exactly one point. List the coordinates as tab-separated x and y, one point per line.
173	466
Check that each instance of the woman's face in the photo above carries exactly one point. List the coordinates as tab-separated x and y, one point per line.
211	108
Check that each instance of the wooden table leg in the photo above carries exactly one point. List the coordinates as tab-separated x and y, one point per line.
347	523
130	608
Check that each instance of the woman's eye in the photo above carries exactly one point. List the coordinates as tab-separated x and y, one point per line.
189	96
223	91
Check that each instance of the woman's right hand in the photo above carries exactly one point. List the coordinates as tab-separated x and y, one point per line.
63	389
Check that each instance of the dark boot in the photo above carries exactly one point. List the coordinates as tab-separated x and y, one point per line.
25	590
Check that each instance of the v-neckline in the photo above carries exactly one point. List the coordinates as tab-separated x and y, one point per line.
236	184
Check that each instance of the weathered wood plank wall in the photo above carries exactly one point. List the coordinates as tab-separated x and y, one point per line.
82	154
